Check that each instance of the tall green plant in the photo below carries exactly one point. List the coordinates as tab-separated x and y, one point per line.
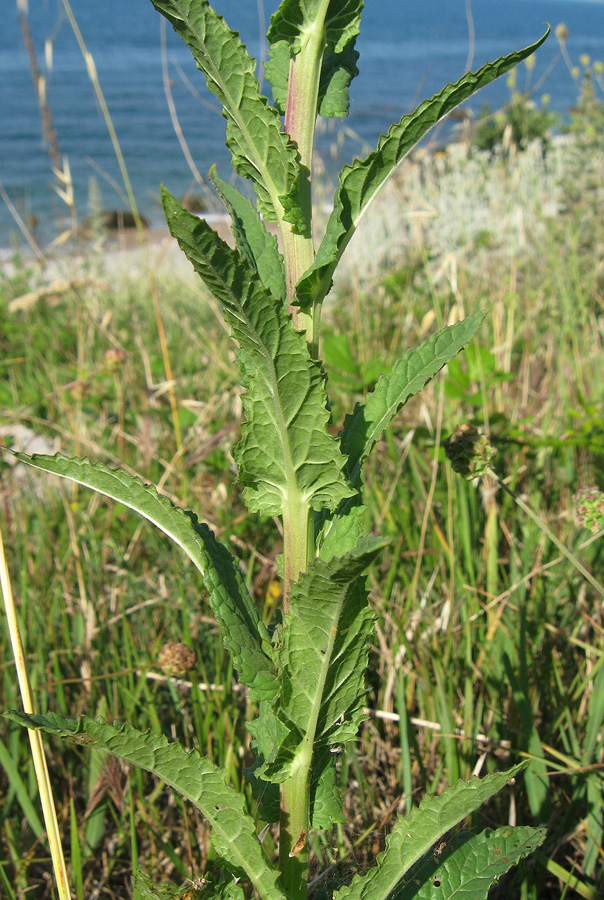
307	677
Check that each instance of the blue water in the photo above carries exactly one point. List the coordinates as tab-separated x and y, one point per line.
408	49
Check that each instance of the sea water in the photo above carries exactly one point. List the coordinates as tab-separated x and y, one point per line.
409	49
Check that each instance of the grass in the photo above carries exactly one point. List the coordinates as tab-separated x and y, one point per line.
489	646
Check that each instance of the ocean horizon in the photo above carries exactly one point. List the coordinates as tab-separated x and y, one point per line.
408	51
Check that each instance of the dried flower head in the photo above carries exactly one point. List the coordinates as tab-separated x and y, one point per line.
469	451
176	659
113	359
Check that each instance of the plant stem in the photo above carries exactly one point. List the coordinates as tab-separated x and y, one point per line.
293	832
300	121
298	519
298	544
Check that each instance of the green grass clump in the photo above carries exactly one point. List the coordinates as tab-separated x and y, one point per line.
490	645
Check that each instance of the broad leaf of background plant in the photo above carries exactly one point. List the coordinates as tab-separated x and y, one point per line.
322	658
286	454
192	776
251	237
406	377
242	629
470	864
337	71
360	182
415	834
260	150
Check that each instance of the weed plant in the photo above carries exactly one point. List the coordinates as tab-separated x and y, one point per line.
475	640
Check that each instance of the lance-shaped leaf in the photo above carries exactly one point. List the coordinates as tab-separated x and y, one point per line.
469	864
323	657
260	150
243	632
188	773
251	237
415	834
286	455
360	182
408	375
337	71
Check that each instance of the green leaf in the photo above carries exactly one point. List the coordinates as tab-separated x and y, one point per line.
342	530
260	150
408	375
225	890
415	834
323	658
243	633
469	865
188	773
325	797
251	237
337	71
295	20
286	455
360	182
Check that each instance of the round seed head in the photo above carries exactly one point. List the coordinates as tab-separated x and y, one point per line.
469	451
176	659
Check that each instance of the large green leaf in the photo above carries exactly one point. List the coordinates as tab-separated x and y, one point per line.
260	150
322	658
469	864
295	20
408	375
286	455
243	633
251	237
415	834
193	776
360	182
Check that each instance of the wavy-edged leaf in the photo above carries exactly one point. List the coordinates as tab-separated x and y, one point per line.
322	658
341	531
415	834
286	455
408	375
260	150
469	865
243	632
294	21
337	71
251	237
360	182
188	773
